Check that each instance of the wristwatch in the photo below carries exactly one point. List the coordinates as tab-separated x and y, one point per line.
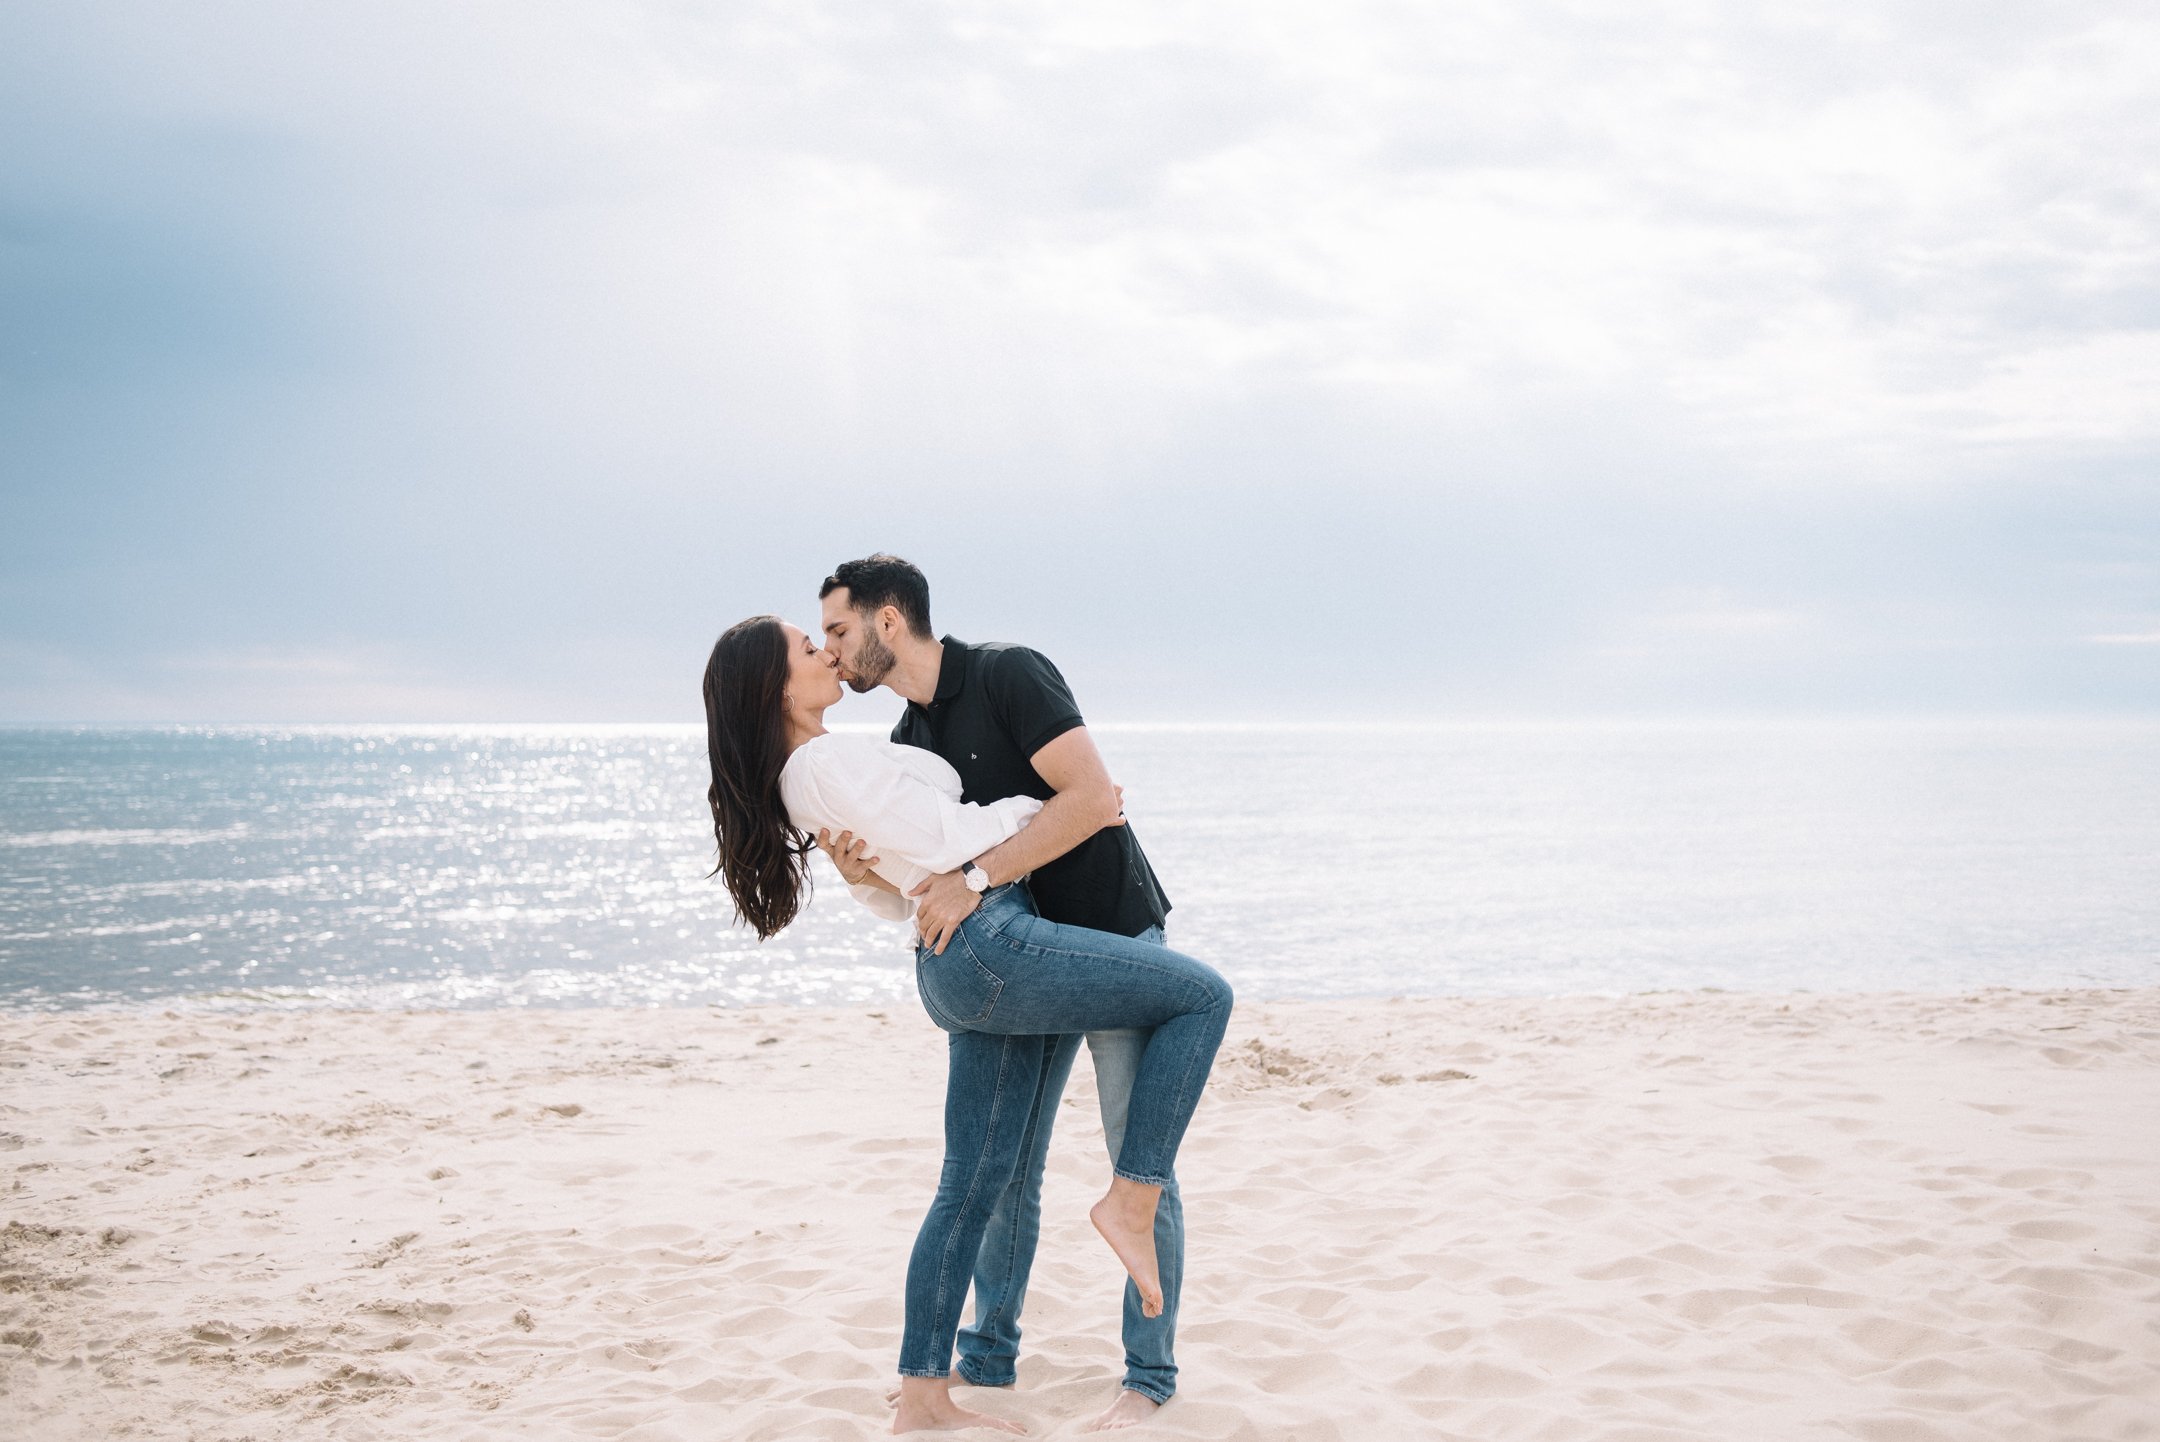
978	880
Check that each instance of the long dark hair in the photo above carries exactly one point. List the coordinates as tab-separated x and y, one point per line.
763	857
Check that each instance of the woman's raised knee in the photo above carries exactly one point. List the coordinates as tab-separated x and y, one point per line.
1220	996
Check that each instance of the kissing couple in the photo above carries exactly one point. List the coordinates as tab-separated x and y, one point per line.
989	821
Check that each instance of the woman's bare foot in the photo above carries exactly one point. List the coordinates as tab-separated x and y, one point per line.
1126	1218
1129	1410
926	1405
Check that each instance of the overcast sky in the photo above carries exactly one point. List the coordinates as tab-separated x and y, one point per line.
482	362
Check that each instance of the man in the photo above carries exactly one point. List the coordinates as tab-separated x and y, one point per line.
1005	719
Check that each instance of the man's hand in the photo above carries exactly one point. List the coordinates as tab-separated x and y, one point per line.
846	853
941	904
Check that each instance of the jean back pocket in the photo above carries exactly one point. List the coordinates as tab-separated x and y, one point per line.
955	987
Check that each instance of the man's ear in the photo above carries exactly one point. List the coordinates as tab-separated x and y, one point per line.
890	623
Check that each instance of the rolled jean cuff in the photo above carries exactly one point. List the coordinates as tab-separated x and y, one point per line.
1149	1390
1143	1179
921	1372
1007	1378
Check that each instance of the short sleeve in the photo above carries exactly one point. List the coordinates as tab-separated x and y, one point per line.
1029	697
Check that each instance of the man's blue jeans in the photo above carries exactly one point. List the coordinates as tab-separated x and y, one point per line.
1009	989
990	1346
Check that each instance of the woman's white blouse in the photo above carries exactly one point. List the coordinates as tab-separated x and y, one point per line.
904	801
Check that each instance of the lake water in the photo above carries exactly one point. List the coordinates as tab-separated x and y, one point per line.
564	866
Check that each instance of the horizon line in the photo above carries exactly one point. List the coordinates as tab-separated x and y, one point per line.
1232	721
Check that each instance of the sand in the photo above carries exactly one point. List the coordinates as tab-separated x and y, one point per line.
1672	1216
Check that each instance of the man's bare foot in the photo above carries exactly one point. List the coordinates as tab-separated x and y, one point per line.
1126	1218
926	1405
1129	1410
892	1393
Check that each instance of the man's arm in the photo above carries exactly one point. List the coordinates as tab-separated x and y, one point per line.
1087	800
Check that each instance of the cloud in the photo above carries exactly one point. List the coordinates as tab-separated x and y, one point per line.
478	339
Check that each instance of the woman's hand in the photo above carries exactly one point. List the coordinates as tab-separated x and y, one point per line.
846	855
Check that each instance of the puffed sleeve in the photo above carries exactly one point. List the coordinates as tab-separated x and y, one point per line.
803	794
871	793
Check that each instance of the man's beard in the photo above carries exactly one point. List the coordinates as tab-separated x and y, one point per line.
873	663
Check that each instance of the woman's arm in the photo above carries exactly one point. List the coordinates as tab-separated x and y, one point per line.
864	884
845	852
884	899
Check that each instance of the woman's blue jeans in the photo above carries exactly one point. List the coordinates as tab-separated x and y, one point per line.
1008	986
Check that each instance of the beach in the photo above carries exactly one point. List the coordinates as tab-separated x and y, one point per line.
1892	1217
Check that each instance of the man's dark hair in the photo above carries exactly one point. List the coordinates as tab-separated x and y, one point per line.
878	581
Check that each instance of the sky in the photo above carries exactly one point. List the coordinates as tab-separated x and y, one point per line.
482	362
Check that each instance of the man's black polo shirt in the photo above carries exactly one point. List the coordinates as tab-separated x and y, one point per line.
998	704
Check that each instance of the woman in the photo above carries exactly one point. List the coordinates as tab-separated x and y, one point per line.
1006	981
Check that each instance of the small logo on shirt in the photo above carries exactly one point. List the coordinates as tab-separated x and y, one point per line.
973	757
